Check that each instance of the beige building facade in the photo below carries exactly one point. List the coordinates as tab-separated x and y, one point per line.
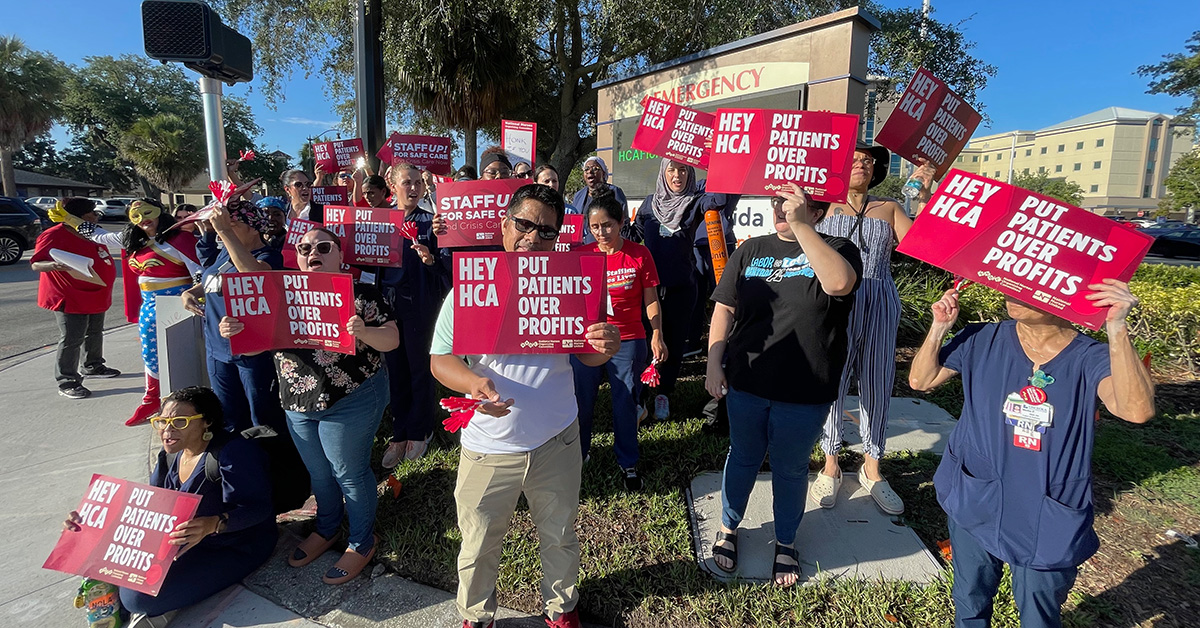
1119	156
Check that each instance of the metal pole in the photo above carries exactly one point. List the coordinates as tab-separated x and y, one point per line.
368	75
1012	154
214	127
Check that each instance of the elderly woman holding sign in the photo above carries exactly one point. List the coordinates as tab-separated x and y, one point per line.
776	348
334	402
1016	478
233	532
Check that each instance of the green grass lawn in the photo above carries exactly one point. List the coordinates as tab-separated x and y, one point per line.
639	568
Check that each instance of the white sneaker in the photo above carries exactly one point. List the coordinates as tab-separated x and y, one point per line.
824	490
662	407
393	455
417	448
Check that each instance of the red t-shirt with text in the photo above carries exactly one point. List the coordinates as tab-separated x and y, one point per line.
630	271
59	291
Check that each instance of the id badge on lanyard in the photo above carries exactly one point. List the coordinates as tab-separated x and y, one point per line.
1029	412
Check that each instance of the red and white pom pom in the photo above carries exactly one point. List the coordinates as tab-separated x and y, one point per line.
221	190
461	409
245	155
650	376
409	230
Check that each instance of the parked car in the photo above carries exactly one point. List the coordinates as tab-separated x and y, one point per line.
126	200
19	229
42	202
1175	242
109	208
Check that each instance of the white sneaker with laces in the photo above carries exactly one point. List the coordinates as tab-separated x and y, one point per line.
662	407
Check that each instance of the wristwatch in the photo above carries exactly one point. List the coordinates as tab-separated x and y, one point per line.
222	521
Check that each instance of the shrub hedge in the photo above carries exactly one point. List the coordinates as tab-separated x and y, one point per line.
1165	324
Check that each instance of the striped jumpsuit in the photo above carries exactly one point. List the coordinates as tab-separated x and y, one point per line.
871	336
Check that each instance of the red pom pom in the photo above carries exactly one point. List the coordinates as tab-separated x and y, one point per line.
409	230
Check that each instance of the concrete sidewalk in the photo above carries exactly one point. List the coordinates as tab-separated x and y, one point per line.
53	445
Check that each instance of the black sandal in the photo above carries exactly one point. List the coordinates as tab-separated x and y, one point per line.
725	552
784	568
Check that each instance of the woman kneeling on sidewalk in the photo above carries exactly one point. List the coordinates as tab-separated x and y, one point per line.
233	532
334	402
1016	477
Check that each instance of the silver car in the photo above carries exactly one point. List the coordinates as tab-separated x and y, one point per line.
109	208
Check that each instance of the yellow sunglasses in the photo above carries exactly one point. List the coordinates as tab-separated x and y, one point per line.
177	422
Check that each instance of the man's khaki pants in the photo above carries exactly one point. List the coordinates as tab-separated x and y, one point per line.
486	495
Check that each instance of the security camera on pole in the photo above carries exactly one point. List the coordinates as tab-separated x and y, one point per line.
191	33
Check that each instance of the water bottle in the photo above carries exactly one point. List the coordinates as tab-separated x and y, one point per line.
912	188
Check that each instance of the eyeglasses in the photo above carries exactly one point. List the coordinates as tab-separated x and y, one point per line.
866	161
776	201
523	175
302	184
544	232
592	171
498	172
323	247
178	422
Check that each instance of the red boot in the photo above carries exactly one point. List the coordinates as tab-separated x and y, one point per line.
151	403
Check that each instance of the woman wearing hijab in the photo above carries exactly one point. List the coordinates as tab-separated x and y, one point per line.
875	225
669	221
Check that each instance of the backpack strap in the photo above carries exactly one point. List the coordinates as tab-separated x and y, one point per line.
212	463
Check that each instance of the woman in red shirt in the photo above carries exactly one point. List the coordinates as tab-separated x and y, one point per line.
78	299
631	279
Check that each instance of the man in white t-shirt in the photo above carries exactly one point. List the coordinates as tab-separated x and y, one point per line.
524	438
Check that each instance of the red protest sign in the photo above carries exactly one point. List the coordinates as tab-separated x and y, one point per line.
519	140
333	156
423	151
675	132
369	235
295	230
526	302
1026	245
571	234
756	151
290	310
330	195
123	536
931	122
473	210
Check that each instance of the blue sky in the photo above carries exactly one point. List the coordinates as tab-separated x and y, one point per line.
1055	59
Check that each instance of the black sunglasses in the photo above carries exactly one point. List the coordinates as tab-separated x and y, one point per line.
323	247
544	232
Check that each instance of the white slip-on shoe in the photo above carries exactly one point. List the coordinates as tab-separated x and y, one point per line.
882	493
824	490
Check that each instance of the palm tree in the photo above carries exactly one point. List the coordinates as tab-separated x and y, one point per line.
31	86
465	69
165	150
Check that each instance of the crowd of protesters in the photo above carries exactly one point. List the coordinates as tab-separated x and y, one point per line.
797	316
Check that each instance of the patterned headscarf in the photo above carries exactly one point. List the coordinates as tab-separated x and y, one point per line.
274	202
250	214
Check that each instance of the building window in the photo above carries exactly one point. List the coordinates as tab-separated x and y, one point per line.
1095	165
1154	144
1062	147
1149	167
1078	166
1043	150
207	199
974	158
1026	171
1095	188
1146	191
894	164
1058	168
999	156
1099	142
997	174
1078	145
1041	170
179	199
985	157
1028	152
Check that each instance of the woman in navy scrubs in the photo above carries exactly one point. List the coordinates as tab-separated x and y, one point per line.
1016	477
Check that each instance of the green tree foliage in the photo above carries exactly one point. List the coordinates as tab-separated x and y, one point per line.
891	187
39	155
164	149
1057	187
571	46
31	86
107	96
1183	183
1178	75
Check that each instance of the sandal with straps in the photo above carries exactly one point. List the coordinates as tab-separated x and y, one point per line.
780	569
725	552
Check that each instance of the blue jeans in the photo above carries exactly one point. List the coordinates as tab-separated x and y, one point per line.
248	388
788	432
336	448
624	378
1039	593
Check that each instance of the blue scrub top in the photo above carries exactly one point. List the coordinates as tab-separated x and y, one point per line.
414	289
1028	508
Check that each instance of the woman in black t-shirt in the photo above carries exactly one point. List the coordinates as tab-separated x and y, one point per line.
334	402
776	347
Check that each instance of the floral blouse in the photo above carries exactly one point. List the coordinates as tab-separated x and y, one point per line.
312	380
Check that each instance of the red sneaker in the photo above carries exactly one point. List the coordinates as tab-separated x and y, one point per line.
569	619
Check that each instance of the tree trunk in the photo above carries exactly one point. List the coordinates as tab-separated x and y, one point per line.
471	146
6	172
